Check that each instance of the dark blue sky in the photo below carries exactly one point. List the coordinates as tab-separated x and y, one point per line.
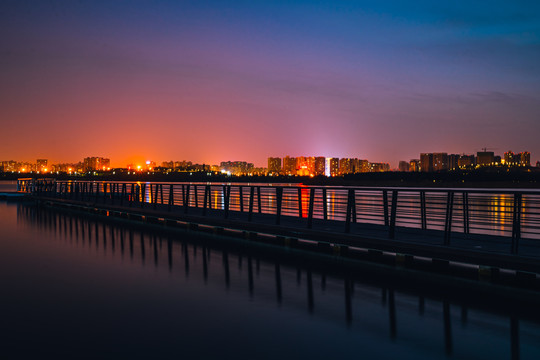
225	80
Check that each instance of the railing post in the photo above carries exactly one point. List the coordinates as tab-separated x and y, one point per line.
385	207
196	195
124	193
279	198
393	215
171	196
516	223
423	218
351	210
448	223
325	204
205	202
185	194
300	202
465	212
251	200
143	194
310	209
226	199
97	192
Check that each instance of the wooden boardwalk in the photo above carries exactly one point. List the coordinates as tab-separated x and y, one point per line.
488	256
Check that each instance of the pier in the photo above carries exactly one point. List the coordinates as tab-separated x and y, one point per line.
478	233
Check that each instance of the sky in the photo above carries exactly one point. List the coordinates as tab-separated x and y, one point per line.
212	81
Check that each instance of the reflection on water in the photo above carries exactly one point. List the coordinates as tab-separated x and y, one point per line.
76	282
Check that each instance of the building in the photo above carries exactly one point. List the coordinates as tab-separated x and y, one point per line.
344	166
333	166
426	162
440	161
289	165
167	164
319	166
380	167
96	163
466	161
414	165
511	159
485	158
525	158
235	167
404	166
274	165
453	161
41	165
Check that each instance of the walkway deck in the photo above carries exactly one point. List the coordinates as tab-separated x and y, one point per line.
486	255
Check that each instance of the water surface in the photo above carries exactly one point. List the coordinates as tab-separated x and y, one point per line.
78	286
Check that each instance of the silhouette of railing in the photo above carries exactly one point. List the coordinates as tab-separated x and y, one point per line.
514	214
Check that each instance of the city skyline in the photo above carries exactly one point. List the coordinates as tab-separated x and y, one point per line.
288	165
219	80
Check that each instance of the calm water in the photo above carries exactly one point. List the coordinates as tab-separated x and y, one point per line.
75	286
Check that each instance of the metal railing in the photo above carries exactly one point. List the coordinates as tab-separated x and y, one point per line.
503	212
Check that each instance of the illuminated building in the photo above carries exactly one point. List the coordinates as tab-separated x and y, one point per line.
274	165
96	163
525	158
426	162
333	166
511	159
414	165
289	165
404	166
9	166
41	165
304	166
465	160
379	167
363	166
236	167
453	161
167	164
344	166
440	161
485	158
319	166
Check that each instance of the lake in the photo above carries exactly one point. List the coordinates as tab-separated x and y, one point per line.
80	286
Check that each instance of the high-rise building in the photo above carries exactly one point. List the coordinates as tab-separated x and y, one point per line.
404	166
453	161
289	165
414	165
485	158
440	161
319	165
511	159
333	165
465	161
96	163
274	165
344	166
426	162
525	158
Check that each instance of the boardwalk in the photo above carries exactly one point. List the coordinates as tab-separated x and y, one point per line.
269	214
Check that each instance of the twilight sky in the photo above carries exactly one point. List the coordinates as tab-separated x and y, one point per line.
211	81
